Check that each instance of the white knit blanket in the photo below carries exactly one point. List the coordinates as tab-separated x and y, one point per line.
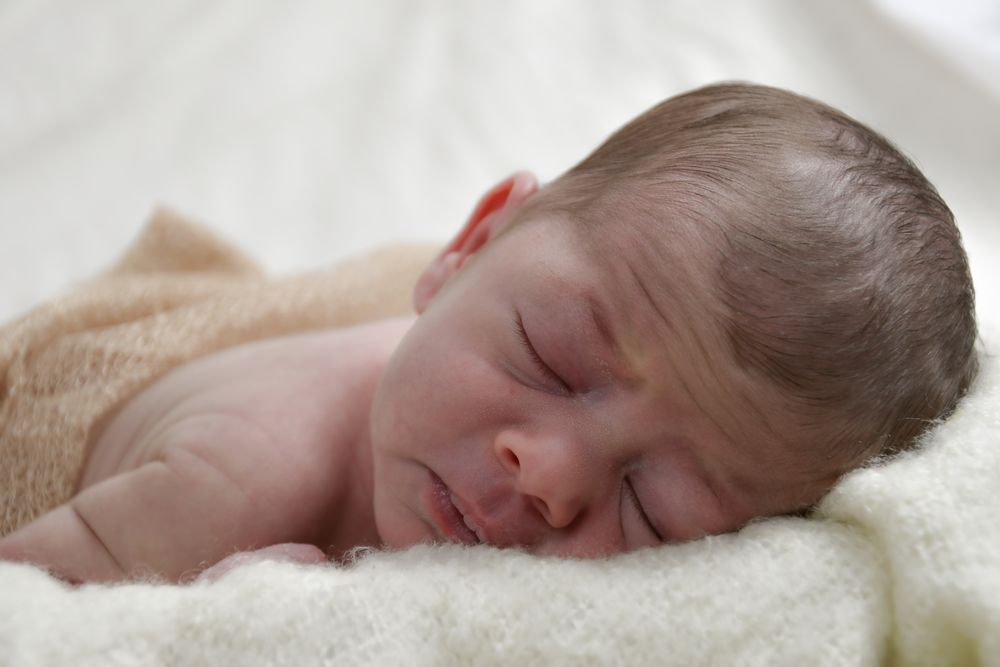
902	564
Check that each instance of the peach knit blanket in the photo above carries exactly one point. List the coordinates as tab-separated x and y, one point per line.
179	292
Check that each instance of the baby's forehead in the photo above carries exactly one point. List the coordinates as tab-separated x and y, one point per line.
635	263
649	304
633	285
656	300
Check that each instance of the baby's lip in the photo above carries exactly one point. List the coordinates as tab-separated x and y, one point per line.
497	515
501	517
450	522
473	520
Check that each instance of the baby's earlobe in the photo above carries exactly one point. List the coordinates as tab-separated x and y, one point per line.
451	263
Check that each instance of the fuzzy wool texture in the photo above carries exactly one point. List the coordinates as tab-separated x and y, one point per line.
898	565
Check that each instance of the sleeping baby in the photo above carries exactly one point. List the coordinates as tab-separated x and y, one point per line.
737	298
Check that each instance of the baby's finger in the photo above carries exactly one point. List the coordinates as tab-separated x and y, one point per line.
304	554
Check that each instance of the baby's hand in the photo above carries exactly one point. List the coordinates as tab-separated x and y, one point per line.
304	554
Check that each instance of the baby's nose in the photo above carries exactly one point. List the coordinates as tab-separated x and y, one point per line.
548	471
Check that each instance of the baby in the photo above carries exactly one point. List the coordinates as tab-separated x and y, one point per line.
738	297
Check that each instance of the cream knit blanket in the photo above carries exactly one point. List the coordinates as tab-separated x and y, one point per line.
901	565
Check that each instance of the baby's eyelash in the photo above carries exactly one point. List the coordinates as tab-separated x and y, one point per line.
522	335
642	512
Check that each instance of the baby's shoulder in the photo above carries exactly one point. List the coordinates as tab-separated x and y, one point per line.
304	395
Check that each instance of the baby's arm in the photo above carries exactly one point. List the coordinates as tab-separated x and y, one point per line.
62	541
169	517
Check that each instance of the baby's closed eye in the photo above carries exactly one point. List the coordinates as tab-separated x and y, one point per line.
630	497
551	377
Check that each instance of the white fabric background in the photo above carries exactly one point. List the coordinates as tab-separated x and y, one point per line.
307	131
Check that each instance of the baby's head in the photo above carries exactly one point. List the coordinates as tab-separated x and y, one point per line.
738	297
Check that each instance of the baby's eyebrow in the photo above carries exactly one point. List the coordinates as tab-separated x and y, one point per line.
637	279
596	312
598	315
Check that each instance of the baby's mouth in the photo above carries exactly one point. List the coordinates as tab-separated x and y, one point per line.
467	517
454	524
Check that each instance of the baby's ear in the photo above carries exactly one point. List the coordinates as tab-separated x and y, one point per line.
494	210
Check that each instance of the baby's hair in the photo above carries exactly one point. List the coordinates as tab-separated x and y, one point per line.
839	270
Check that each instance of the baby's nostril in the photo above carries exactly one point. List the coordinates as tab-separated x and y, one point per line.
512	459
506	454
541	508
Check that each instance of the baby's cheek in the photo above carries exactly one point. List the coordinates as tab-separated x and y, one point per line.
692	508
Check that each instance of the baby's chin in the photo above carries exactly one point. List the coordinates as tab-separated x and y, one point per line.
395	534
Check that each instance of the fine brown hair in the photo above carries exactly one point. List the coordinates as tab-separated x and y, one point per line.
839	269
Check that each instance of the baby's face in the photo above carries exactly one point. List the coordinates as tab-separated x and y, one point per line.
558	398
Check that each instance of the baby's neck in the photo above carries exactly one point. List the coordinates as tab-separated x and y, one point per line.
374	345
